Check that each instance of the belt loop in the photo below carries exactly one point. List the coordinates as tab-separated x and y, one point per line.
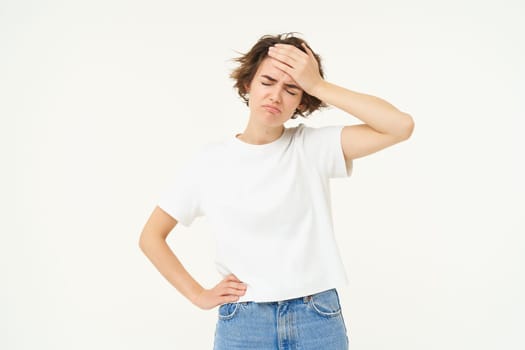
307	298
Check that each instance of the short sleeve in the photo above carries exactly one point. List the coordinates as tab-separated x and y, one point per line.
182	200
323	146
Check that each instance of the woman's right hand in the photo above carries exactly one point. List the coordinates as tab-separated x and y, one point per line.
226	291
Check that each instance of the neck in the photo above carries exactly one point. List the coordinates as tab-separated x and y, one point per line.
259	135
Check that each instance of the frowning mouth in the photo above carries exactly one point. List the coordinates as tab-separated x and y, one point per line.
272	109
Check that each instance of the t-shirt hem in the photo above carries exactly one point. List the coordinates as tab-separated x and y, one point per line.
283	297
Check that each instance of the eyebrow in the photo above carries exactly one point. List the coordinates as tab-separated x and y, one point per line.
273	80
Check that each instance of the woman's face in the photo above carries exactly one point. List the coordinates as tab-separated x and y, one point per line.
274	95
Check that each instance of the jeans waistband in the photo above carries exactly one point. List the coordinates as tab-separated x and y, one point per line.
305	299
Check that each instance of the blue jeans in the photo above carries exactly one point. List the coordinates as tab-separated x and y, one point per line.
313	322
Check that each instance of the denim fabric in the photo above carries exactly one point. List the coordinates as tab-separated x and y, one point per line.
313	322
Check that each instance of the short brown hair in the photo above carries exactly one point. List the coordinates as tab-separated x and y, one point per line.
249	63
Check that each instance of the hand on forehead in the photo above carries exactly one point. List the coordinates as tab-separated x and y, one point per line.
269	67
301	66
287	53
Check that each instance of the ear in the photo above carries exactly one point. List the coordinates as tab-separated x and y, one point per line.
247	88
301	107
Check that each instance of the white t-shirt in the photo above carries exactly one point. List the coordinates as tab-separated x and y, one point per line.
269	207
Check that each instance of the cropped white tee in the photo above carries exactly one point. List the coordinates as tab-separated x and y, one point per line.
269	207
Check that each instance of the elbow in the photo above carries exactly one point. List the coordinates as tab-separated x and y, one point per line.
149	240
406	127
143	242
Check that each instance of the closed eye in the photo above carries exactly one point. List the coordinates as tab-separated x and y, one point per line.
288	91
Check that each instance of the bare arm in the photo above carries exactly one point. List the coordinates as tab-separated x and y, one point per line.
384	125
153	243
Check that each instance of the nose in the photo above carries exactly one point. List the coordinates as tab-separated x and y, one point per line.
275	95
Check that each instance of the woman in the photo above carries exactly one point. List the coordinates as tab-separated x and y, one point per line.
266	194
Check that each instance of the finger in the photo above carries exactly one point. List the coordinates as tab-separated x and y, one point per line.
291	50
279	56
231	277
308	51
233	282
236	285
233	291
282	66
240	285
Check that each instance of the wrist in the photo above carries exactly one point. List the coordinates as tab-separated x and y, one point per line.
195	294
317	89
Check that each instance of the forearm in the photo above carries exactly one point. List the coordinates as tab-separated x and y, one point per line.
373	111
167	263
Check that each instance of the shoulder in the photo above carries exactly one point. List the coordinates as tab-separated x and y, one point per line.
298	130
315	132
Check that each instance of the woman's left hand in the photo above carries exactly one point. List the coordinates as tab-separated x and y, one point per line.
302	67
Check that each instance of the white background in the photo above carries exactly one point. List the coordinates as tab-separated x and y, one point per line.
102	102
